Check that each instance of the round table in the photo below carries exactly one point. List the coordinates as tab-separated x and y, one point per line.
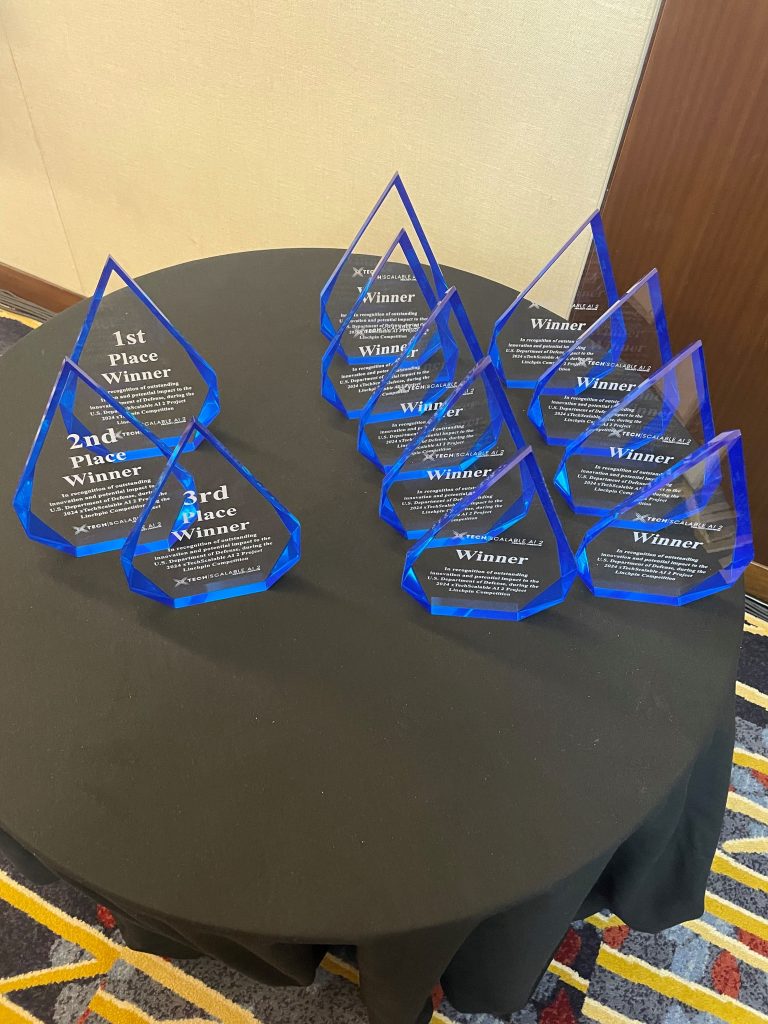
325	762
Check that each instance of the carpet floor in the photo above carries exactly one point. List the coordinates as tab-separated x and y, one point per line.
62	960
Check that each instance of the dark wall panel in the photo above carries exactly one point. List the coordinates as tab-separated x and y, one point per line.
689	194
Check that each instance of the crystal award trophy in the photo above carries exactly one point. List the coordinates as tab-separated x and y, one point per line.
85	482
654	427
435	361
392	212
610	360
686	536
375	332
500	553
564	299
133	351
221	534
472	433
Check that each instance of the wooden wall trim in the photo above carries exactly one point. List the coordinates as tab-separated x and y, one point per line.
35	289
687	195
756	581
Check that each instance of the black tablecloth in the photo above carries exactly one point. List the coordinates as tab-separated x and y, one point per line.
327	763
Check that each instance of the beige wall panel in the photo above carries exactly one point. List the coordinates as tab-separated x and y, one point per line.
174	129
31	233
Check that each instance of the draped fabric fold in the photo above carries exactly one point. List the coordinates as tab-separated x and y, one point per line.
653	880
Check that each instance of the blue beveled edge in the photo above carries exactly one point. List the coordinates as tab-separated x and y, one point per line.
696	354
450	303
651	279
595	221
395	182
211	404
34	527
327	388
485	369
743	552
548	597
289	556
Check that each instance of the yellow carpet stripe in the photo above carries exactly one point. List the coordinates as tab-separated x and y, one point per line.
754	625
107	951
116	1011
748	759
52	975
603	921
333	965
569	976
725	865
604	1014
12	1014
752	695
749	844
743	805
77	932
739	950
736	916
687	992
188	987
27	320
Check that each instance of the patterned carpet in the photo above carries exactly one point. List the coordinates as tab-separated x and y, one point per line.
62	960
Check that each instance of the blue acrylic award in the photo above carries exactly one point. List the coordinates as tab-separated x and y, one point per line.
500	553
392	212
91	468
436	360
611	359
472	433
684	537
133	351
654	427
376	331
565	298
209	530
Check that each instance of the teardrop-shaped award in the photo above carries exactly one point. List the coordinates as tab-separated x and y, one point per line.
224	535
436	360
391	212
133	351
611	359
376	331
657	425
472	433
565	298
686	536
500	553
85	481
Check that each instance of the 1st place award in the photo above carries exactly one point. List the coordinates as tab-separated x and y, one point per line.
133	352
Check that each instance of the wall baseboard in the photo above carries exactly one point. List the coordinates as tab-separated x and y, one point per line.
756	581
35	289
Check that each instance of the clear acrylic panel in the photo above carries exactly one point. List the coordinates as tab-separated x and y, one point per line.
375	333
564	299
472	433
83	486
392	212
500	553
224	535
661	422
612	358
133	351
696	541
437	359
